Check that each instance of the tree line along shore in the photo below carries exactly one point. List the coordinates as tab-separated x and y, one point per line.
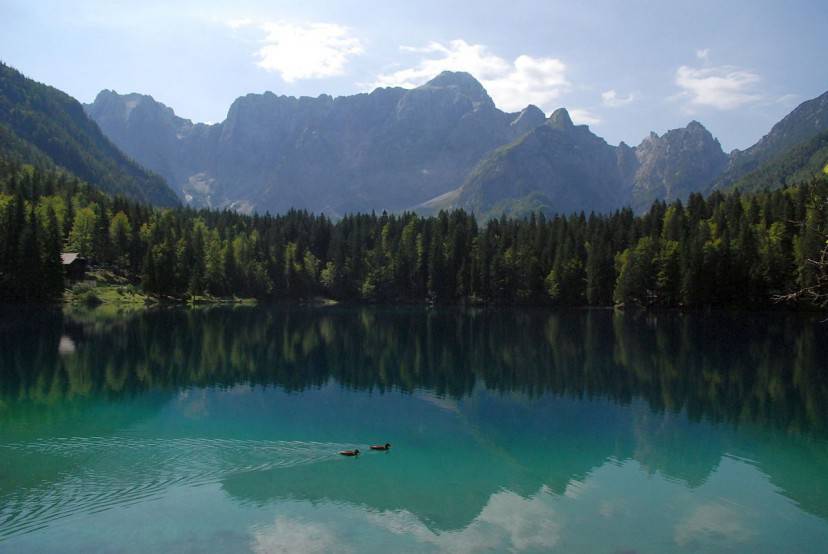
723	250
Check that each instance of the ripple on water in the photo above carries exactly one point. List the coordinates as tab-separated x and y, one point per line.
119	471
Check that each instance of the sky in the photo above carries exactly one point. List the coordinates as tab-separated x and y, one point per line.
625	68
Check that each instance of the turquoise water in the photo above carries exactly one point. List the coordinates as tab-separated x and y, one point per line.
515	430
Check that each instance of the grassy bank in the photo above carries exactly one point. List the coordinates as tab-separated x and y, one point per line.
107	292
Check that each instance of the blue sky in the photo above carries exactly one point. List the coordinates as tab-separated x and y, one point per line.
625	68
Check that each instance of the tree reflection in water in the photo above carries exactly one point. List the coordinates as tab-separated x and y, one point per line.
733	368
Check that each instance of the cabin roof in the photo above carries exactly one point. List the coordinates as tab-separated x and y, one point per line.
68	258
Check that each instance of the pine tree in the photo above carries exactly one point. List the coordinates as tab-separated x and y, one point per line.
29	284
53	273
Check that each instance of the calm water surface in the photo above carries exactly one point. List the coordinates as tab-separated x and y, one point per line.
516	431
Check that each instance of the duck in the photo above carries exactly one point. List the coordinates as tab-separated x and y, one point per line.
350	452
386	446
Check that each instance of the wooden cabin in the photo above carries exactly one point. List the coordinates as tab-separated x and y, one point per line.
74	265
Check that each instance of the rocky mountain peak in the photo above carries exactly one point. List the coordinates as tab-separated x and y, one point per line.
462	84
457	79
560	119
118	105
679	162
114	107
695	126
275	152
529	117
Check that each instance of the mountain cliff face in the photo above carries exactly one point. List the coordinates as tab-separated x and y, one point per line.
43	126
390	149
673	165
149	131
557	167
561	167
441	145
808	120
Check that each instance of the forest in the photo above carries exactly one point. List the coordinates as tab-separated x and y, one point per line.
728	249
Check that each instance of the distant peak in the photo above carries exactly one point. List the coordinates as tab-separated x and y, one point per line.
454	79
560	118
123	105
107	96
109	93
529	117
695	126
533	110
696	130
461	82
106	93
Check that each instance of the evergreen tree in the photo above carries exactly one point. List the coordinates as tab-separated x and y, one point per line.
723	250
53	273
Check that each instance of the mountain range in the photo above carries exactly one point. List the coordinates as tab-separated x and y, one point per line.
390	149
438	146
441	145
562	167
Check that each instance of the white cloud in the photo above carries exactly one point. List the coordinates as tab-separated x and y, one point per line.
581	116
703	54
713	522
611	99
512	85
292	535
508	523
457	55
722	87
303	51
239	23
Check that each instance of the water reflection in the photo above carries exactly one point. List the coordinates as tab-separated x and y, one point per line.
513	430
767	369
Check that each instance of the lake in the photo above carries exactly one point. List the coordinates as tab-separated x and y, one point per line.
218	430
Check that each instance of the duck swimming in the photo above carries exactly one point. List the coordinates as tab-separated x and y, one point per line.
386	446
350	452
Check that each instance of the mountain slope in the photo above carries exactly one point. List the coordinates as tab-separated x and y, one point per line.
441	145
557	167
797	164
42	125
558	173
804	123
561	167
147	130
672	166
390	149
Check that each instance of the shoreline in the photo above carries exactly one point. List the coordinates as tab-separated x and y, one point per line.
107	292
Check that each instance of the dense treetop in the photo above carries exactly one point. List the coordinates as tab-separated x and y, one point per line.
724	250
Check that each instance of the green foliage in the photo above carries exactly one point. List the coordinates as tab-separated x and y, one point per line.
120	233
637	273
45	127
795	165
85	295
725	250
82	237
